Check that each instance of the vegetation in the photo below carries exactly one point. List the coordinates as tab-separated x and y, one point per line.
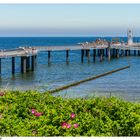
35	114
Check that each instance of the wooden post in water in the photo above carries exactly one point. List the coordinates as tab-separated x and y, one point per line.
113	53
82	55
138	53
0	66
109	44
134	52
101	55
106	52
13	65
94	55
98	52
125	52
33	62
28	63
103	52
49	57
35	59
117	53
129	52
23	64
67	56
88	55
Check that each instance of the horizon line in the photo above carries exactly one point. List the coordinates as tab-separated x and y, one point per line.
59	36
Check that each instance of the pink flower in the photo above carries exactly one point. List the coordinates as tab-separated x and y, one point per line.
64	125
68	126
2	93
37	114
33	111
72	115
76	125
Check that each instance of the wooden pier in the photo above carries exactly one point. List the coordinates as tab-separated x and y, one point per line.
28	55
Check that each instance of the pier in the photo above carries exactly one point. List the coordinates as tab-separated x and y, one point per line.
28	55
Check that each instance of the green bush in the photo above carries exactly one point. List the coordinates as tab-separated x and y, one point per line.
39	114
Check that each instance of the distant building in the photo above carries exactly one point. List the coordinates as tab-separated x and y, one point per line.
129	36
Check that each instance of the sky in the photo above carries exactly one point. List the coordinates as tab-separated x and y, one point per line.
44	20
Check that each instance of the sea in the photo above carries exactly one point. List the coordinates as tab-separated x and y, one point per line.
123	84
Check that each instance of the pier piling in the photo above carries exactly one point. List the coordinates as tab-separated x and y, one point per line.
129	52
103	52
138	53
28	63
94	55
134	52
33	62
82	55
23	64
49	57
101	55
88	55
113	53
13	65
0	66
125	52
99	52
108	51
67	56
117	55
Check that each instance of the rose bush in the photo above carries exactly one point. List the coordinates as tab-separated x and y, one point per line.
31	113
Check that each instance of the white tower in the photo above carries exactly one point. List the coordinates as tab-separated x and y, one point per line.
129	36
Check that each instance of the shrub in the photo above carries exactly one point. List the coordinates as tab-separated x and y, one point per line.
39	114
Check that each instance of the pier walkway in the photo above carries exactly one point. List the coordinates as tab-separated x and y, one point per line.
28	55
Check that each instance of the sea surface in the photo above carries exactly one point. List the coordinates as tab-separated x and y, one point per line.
123	84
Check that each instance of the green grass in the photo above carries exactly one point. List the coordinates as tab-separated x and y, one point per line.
94	116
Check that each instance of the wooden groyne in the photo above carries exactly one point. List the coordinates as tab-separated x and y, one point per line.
87	79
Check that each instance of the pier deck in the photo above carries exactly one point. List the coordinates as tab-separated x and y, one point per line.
34	49
28	54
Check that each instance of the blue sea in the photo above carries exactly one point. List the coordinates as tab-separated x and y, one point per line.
123	84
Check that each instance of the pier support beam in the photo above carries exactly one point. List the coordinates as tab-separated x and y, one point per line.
113	53
23	64
138	53
49	57
108	49
98	52
33	62
0	66
117	55
28	63
67	56
13	65
88	55
103	52
101	55
82	56
134	52
125	52
129	52
94	55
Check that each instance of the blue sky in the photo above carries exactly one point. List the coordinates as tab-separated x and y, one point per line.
69	19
